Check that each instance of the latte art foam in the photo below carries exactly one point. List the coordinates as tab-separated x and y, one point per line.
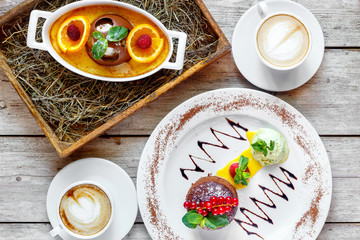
85	209
283	40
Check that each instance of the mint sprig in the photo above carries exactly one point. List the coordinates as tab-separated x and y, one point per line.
261	146
115	34
192	219
241	175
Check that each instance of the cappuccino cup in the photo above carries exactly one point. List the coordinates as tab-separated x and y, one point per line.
282	40
84	211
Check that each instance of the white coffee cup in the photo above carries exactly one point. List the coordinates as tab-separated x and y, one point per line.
265	15
62	228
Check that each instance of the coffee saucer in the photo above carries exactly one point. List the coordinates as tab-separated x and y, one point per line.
251	67
109	175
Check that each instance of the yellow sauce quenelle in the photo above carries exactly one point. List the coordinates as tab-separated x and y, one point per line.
84	62
253	165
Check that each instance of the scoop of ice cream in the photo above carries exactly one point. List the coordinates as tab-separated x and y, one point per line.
281	149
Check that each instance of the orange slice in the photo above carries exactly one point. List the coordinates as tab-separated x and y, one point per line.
144	55
63	40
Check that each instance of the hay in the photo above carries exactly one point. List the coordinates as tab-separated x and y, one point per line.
74	105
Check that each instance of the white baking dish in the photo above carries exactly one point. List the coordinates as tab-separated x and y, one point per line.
51	17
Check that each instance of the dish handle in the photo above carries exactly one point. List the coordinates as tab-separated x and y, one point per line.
31	36
180	52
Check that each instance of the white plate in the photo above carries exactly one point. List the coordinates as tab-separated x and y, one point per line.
251	67
162	188
107	174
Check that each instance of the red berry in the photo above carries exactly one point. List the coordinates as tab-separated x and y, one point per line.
144	41
228	200
232	169
202	204
220	200
235	202
227	208
193	205
187	204
215	211
208	205
204	212
199	211
213	200
221	210
73	32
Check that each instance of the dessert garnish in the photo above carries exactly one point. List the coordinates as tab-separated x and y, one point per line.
261	146
144	43
210	214
240	171
115	34
73	34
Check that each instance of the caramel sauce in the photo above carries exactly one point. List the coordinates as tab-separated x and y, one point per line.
83	61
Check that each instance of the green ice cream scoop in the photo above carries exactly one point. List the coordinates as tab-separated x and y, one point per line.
269	147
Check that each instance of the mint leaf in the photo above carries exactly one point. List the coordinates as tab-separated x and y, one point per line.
237	179
218	220
243	180
260	146
202	224
243	163
98	35
117	34
209	224
246	175
272	145
99	49
191	219
194	217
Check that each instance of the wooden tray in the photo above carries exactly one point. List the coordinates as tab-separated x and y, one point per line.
64	149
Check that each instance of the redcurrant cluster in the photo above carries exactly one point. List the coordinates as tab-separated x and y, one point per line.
216	205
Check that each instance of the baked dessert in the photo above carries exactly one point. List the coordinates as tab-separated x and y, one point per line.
211	203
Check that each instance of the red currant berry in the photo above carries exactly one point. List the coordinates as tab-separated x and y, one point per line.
204	212
228	200
213	200
202	204
220	200
235	202
208	205
187	204
193	205
227	208
199	210
221	210
215	211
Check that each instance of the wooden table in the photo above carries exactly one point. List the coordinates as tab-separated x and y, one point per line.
330	101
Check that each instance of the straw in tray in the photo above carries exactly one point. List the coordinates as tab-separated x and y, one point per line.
74	105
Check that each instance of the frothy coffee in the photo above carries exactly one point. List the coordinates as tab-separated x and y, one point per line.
85	209
283	40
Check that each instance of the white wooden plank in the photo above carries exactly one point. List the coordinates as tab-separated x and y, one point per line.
330	100
339	19
138	232
28	165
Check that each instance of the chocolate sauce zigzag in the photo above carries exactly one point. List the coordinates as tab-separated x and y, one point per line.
201	144
289	184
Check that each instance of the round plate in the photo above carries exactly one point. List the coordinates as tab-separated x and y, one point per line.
194	134
107	174
251	67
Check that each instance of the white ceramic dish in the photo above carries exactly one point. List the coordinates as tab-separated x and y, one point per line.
107	174
206	118
51	17
248	62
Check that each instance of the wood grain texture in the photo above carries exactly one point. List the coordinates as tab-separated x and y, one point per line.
138	232
338	75
28	165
